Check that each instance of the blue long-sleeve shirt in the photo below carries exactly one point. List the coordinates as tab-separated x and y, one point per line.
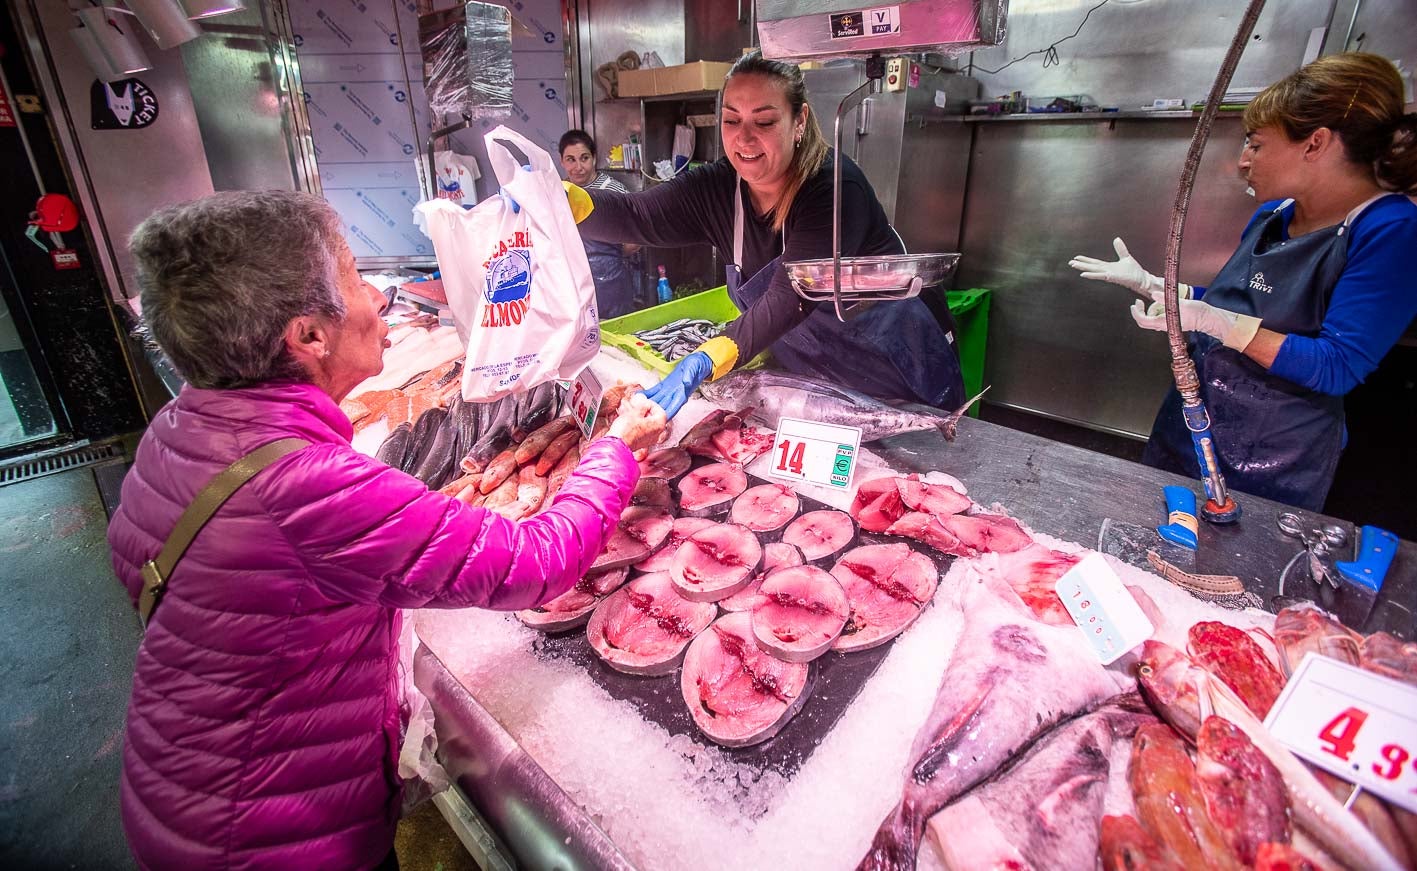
1370	308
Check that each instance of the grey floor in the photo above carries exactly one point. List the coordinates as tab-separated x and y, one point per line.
67	641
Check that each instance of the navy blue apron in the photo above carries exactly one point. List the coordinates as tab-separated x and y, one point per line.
1275	438
898	350
615	292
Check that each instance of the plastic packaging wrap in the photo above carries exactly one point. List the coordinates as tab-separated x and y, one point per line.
467	60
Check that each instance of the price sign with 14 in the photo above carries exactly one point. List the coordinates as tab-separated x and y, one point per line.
817	453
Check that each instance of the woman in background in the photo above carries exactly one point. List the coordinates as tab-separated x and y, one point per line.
616	292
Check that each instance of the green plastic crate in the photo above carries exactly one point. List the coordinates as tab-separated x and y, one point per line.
969	307
714	305
971	313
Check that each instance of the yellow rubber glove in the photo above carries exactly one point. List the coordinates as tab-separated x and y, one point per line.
723	351
581	203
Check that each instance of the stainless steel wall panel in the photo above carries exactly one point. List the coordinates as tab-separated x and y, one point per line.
929	201
610	28
243	104
1132	51
1388	27
717	29
1040	193
916	160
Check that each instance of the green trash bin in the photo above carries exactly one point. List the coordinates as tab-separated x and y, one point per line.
971	313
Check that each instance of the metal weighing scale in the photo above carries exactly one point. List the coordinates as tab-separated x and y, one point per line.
800	30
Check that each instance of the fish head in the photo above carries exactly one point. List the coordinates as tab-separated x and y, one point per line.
1168	680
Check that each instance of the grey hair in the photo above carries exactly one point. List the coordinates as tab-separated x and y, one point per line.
222	276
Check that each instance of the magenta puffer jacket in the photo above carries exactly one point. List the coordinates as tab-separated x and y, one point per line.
264	725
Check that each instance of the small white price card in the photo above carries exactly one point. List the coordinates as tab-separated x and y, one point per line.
818	453
1353	723
585	401
1106	613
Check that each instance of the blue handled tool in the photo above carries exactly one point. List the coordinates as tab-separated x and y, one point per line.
1180	527
1363	577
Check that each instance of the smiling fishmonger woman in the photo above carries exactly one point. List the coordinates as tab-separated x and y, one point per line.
769	201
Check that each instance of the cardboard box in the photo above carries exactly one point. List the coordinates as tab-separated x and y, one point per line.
704	75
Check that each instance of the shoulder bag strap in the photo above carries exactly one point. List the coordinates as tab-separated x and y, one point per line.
155	572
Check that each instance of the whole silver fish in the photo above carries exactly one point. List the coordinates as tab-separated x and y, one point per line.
1041	810
780	394
1000	692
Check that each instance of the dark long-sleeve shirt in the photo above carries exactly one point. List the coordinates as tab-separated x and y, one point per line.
697	207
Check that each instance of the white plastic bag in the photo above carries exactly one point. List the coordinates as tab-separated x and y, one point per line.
518	282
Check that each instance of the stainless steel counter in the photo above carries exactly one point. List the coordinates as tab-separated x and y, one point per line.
1067	492
1056	489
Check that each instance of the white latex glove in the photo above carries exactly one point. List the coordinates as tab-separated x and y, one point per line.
1126	272
1233	330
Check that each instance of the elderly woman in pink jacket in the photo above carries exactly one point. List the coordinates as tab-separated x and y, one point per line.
264	722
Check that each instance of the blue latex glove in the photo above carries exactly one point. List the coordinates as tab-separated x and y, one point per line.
676	388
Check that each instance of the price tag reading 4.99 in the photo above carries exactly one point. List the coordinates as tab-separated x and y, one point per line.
1356	724
818	453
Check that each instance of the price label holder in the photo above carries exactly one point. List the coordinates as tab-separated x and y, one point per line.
586	392
1352	723
1105	612
817	453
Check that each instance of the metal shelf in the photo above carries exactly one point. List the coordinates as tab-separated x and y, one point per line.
1091	116
687	96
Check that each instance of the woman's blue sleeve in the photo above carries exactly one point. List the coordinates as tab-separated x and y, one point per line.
1372	304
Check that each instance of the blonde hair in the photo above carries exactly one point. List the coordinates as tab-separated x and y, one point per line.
1358	96
811	152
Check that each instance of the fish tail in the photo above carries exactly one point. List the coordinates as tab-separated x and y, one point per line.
896	843
950	733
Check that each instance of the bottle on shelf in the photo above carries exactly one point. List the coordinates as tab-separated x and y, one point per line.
663	290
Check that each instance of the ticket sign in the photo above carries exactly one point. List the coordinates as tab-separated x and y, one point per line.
586	392
817	453
1106	613
1353	723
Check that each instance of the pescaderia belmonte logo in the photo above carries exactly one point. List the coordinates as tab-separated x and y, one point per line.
508	288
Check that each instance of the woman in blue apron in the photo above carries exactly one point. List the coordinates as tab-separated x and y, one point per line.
1319	290
616	291
769	201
